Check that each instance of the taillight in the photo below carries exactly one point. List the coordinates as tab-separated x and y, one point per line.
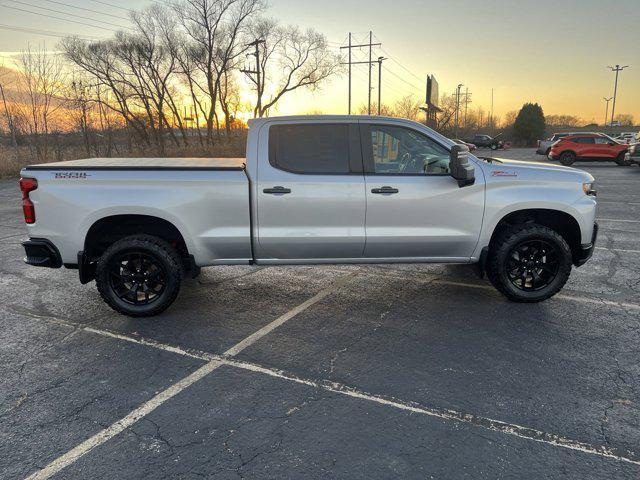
28	185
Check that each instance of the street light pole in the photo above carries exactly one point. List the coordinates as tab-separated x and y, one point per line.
460	85
606	112
380	59
616	69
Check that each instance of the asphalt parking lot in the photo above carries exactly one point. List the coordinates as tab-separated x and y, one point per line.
395	371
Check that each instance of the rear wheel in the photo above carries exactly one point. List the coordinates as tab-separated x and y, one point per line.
139	276
622	160
567	158
529	263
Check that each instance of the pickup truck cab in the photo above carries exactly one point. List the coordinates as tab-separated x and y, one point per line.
311	190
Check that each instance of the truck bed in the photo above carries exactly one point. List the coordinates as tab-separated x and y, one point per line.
182	163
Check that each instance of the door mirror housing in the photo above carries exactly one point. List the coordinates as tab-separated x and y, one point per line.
460	167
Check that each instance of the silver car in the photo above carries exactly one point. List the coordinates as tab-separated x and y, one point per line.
544	146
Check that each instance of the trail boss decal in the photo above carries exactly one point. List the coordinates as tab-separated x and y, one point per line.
71	175
503	173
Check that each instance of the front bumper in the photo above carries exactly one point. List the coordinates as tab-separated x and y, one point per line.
585	252
41	253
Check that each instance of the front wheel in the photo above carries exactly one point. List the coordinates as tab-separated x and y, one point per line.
622	160
529	263
567	158
139	276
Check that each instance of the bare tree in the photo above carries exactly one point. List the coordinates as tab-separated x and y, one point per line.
408	107
11	124
290	59
39	88
216	33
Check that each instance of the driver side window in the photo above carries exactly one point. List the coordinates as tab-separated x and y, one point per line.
402	151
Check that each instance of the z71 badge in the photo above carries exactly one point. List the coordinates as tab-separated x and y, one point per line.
71	175
503	173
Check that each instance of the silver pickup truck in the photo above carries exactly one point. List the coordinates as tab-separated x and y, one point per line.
311	190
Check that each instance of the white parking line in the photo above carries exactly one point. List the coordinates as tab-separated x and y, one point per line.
214	361
617	220
101	437
618	250
481	286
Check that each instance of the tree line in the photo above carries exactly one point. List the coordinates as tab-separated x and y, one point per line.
172	78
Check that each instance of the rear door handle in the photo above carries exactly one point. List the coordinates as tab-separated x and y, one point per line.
277	190
383	190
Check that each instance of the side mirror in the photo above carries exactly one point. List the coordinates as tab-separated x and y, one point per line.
460	167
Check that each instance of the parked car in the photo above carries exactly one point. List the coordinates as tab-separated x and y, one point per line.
589	146
470	146
634	154
312	190
544	146
486	141
629	137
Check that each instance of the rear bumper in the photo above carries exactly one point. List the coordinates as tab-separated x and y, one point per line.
40	252
585	251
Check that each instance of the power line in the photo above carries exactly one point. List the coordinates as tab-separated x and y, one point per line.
401	65
58	18
48	33
402	79
350	47
66	13
87	10
112	5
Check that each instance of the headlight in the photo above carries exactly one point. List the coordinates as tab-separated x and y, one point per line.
589	189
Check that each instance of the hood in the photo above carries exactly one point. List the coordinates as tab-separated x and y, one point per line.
503	167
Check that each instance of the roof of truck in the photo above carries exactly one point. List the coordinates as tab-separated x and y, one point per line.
188	163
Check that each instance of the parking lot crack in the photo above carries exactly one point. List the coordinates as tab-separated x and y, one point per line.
360	338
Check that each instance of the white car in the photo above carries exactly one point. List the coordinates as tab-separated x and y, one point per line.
629	137
311	190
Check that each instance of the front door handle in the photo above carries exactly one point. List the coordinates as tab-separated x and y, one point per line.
385	190
277	190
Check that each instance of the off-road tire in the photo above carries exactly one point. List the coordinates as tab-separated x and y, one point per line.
501	248
163	253
622	160
567	158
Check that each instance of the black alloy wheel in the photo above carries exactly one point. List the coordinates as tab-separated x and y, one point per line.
532	265
528	262
140	275
137	278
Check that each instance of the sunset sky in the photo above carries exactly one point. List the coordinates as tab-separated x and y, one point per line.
555	53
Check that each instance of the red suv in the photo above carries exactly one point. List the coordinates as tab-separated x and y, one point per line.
589	146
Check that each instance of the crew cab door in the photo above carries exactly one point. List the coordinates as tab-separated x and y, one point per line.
310	192
415	209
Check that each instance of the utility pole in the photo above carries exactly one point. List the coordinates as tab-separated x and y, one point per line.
460	85
491	121
606	112
350	62
257	73
380	60
371	40
616	69
466	105
349	73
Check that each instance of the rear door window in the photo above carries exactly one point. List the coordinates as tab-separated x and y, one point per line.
319	148
583	140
